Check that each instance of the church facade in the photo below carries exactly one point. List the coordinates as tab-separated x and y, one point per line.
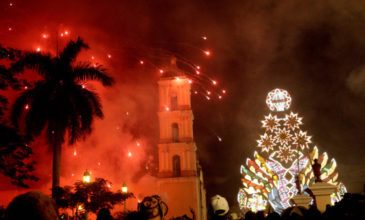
180	177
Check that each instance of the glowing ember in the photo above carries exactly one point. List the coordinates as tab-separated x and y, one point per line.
207	52
129	154
214	82
38	49
26	107
141	62
109	56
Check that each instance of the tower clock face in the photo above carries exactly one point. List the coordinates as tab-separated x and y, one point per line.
278	100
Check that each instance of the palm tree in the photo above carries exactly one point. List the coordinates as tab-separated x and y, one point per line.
58	104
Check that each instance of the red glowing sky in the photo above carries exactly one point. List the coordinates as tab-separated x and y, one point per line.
254	47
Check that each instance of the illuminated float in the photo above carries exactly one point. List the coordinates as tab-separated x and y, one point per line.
285	152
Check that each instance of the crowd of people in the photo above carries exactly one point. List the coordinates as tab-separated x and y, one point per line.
37	206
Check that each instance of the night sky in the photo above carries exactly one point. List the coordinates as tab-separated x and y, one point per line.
314	49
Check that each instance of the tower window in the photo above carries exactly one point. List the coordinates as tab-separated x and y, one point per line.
176	168
175	132
174	105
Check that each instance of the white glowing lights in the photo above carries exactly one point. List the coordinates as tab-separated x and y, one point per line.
270	122
292	121
285	153
266	142
278	100
207	52
285	158
302	139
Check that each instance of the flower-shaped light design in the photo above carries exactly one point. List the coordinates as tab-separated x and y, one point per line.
270	122
302	139
266	142
285	153
283	136
292	121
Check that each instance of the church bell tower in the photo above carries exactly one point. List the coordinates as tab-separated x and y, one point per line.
180	175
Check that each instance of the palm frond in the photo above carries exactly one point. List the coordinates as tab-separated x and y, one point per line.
95	103
72	49
39	110
18	108
84	71
39	62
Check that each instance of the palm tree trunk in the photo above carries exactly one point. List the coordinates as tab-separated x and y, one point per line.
56	165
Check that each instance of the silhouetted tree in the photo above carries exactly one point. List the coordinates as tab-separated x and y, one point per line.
58	103
14	151
91	196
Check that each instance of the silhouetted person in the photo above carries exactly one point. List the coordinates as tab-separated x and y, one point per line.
273	216
136	216
250	216
260	215
104	214
31	206
317	171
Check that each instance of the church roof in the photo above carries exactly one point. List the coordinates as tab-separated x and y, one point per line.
172	70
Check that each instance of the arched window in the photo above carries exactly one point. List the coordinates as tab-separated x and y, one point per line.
176	168
174	105
175	132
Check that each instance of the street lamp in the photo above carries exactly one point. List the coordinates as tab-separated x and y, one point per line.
86	177
125	190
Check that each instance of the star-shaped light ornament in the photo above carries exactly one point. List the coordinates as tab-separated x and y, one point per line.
292	121
283	136
302	139
270	122
266	143
285	153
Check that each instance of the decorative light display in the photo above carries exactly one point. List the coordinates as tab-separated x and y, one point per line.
278	100
284	160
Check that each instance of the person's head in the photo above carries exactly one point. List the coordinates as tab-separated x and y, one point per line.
104	214
31	205
250	216
136	216
273	216
219	205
